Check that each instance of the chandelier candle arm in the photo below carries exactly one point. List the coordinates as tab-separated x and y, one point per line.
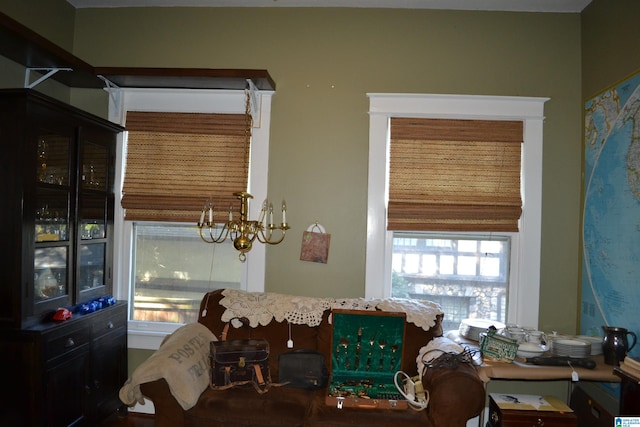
242	231
284	212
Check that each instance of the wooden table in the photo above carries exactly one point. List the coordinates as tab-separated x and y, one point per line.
527	372
520	371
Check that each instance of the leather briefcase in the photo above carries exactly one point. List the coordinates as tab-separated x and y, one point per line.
239	362
303	369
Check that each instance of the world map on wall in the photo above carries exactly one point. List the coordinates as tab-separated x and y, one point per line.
611	217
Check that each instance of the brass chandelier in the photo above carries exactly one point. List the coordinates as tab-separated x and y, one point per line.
242	231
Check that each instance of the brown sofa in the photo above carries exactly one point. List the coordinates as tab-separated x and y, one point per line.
456	394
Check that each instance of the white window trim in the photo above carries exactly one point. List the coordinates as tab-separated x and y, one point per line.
524	290
149	335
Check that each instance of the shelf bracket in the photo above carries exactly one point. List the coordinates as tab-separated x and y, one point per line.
48	72
255	102
114	92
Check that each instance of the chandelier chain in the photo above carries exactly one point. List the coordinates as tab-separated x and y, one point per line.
242	231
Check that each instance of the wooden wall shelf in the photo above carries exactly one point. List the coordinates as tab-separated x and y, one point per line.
22	45
187	78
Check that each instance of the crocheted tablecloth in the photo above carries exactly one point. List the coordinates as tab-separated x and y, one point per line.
260	308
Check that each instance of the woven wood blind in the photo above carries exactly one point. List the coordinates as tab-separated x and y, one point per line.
454	175
178	161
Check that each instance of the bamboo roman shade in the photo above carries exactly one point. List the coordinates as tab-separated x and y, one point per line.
454	175
178	161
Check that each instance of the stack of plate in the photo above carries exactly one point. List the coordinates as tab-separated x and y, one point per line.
472	328
571	347
596	343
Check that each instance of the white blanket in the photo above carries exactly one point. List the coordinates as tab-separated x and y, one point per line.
182	360
263	307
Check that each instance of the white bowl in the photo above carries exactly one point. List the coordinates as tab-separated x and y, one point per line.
529	349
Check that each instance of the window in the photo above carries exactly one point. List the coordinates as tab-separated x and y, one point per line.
522	293
163	267
466	274
172	268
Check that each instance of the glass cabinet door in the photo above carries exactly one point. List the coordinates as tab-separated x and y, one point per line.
92	233
92	215
52	216
94	166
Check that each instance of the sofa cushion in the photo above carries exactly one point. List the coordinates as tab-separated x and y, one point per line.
280	406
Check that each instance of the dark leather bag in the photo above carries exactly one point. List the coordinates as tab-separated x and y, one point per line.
239	362
303	369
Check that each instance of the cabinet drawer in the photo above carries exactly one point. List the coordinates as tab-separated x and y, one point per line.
106	325
108	322
499	417
66	341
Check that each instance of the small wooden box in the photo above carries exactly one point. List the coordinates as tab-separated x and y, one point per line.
518	410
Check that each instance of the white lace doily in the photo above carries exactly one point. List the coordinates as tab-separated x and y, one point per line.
263	307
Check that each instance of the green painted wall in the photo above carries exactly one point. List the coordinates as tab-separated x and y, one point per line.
610	44
52	19
324	62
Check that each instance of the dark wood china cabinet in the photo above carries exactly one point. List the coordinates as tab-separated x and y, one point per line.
56	232
57	209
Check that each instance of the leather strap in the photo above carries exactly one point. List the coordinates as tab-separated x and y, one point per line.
259	376
225	331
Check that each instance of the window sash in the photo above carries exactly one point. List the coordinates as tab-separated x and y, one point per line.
454	175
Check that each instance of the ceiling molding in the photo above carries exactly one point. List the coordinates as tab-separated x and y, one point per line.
550	6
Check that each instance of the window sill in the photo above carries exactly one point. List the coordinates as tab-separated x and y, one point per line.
149	335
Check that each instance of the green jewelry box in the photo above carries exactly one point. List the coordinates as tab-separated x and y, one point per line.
367	349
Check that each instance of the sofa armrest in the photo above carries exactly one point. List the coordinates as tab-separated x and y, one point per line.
456	395
168	412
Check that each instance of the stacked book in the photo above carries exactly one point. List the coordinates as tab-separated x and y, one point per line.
631	365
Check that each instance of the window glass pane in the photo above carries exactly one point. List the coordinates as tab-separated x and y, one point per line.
53	158
173	268
94	166
446	265
91	266
467	265
92	219
466	275
50	277
52	215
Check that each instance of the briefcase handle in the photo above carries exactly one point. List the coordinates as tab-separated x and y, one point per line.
245	322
